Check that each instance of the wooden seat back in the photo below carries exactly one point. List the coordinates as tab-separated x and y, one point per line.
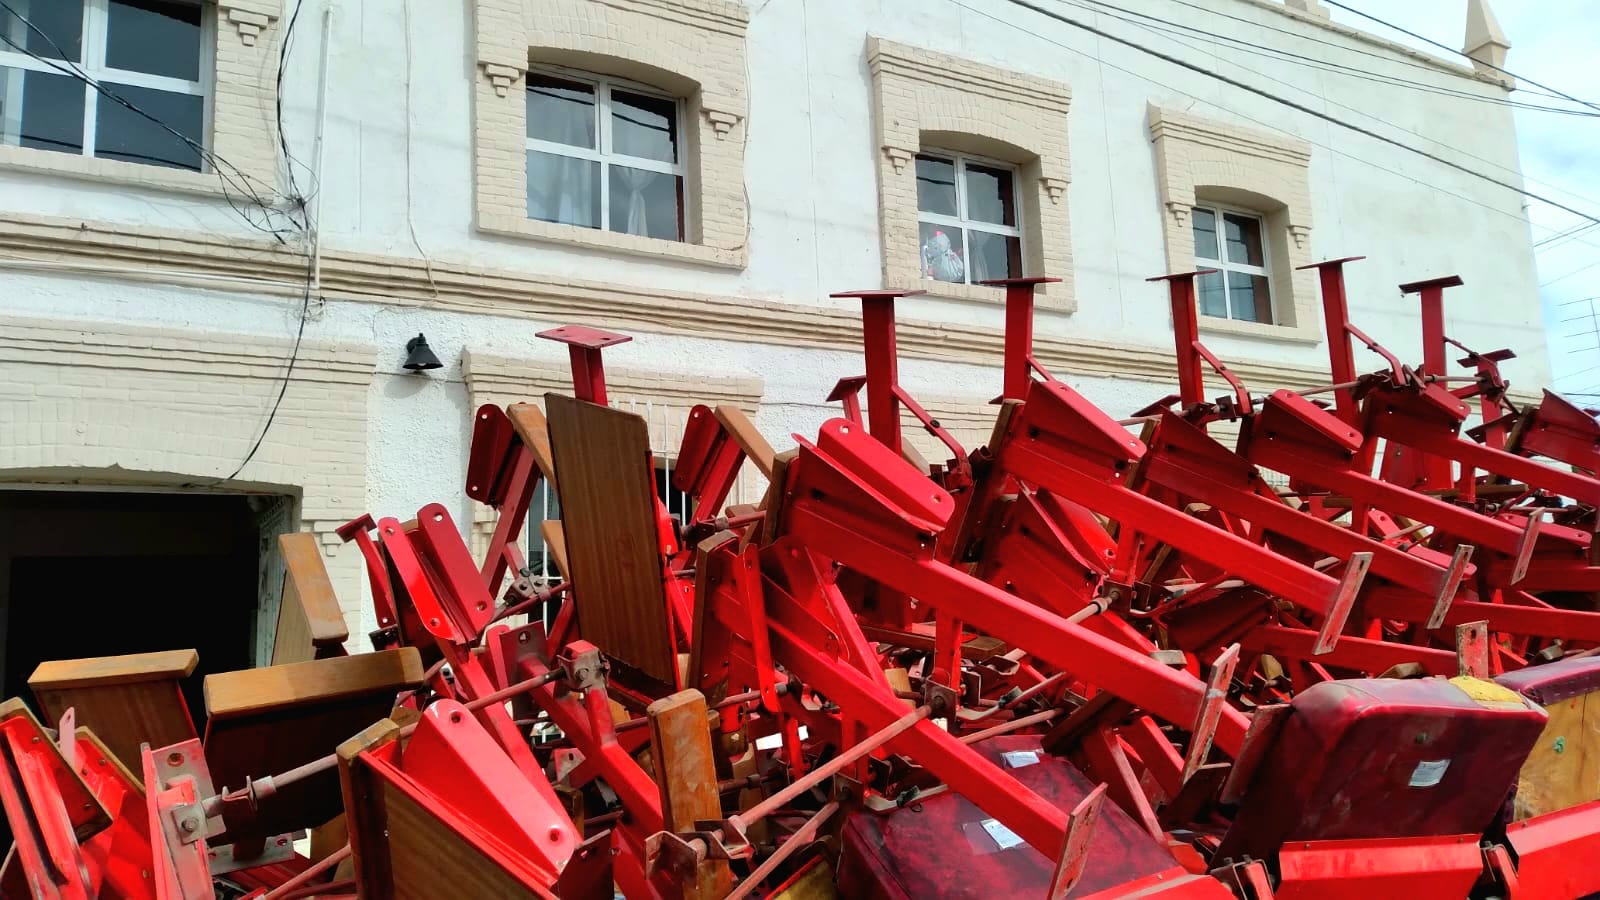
608	516
269	720
310	623
127	700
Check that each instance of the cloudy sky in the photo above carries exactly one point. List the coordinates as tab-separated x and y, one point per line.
1553	42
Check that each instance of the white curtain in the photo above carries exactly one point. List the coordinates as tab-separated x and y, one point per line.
634	182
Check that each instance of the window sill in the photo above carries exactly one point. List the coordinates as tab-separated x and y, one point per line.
974	293
594	239
1293	334
110	171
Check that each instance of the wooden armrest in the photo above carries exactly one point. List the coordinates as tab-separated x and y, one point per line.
744	433
530	424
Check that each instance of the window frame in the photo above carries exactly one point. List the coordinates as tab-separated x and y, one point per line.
960	220
1224	266
93	41
603	85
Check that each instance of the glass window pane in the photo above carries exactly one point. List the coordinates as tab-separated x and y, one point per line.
1212	300
41	111
942	258
936	186
121	133
994	255
560	111
1244	239
155	37
1249	298
646	203
563	189
642	126
57	31
990	196
1205	233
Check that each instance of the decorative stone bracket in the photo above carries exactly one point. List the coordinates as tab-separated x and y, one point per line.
721	122
1053	186
1301	235
502	77
249	24
900	157
1179	212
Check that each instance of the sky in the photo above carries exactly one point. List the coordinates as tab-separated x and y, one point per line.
1553	42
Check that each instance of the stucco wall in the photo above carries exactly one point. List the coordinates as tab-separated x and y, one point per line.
811	156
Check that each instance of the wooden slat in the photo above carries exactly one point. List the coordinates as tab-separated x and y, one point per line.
309	620
608	501
364	814
535	433
430	860
555	544
747	436
272	689
680	748
100	671
126	700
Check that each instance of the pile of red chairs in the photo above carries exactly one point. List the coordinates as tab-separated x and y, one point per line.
1347	654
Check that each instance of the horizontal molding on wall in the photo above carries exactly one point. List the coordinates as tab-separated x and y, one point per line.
495	379
170	256
118	346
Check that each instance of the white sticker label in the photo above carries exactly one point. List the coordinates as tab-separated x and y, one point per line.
1002	835
1018	759
1429	772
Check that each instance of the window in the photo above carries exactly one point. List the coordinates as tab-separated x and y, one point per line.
149	53
967	218
604	154
1239	288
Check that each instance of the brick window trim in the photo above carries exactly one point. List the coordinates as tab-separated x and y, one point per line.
693	49
243	115
1202	161
925	101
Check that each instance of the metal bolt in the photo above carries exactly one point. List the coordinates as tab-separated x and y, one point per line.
188	826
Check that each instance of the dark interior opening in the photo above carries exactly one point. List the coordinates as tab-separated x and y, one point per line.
86	574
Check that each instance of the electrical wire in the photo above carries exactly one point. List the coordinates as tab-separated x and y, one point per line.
1172	36
1558	93
221	167
1243	115
1321	65
288	375
1297	106
226	171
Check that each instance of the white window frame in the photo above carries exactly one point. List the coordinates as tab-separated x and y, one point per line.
960	220
92	42
1223	266
603	85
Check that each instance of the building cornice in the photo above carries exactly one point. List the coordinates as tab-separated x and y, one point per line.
200	259
1443	65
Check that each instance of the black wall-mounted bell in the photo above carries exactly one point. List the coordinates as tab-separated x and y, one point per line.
419	358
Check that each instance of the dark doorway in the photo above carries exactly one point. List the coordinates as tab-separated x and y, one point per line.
87	573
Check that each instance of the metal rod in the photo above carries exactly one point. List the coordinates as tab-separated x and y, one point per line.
1013	725
328	862
1329	388
734	700
342	888
833	766
544	596
273	783
1027	694
801	837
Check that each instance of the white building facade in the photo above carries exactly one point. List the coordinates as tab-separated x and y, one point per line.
699	174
